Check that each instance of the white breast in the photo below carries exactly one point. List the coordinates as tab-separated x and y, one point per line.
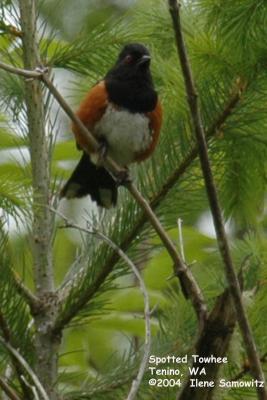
126	134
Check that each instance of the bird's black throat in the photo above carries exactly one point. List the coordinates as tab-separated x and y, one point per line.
134	93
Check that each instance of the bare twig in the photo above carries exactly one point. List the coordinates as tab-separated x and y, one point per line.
12	395
26	367
180	238
213	200
20	71
137	381
32	388
26	293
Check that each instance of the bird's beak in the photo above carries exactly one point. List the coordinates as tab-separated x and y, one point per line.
144	59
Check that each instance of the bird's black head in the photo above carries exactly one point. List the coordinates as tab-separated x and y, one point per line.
133	63
134	57
129	82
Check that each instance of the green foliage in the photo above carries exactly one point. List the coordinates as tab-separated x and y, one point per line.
15	318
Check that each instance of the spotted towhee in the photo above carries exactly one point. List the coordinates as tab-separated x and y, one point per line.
123	112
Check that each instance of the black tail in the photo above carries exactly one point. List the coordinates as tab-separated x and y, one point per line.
87	178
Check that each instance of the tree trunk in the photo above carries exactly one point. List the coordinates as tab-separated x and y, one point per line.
46	344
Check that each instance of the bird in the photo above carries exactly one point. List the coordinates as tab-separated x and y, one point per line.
124	113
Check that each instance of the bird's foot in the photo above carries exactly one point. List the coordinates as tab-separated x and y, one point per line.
102	151
123	177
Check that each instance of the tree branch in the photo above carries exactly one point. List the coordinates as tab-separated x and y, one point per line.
12	395
32	300
26	367
137	381
234	287
28	74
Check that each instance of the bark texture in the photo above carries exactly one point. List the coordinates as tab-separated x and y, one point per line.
46	344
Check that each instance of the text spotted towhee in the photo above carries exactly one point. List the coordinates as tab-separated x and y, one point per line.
124	113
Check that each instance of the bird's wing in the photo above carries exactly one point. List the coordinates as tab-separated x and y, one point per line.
155	121
91	111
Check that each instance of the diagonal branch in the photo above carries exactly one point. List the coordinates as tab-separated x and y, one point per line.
32	300
224	249
11	394
14	353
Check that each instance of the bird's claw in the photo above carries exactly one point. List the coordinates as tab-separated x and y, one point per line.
123	177
42	70
102	151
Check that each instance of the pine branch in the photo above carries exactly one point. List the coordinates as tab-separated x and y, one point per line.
20	71
234	286
11	394
32	300
137	381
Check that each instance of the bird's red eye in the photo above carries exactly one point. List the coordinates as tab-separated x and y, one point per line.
128	59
